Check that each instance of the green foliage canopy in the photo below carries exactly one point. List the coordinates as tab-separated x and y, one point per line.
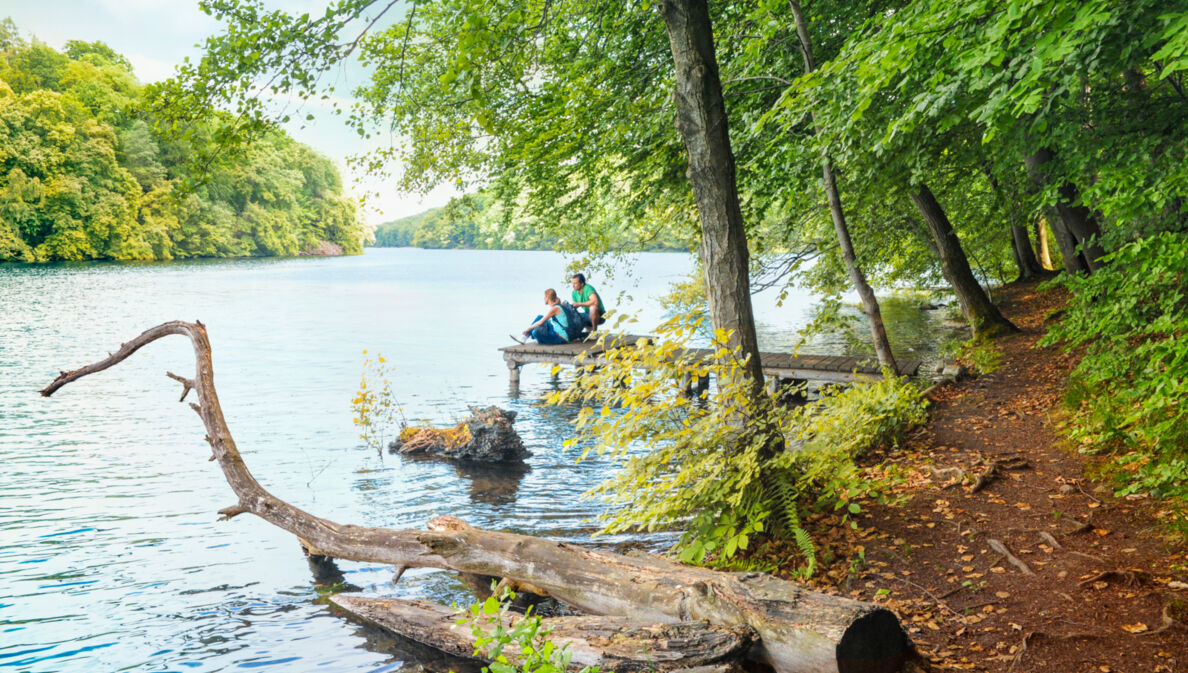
83	175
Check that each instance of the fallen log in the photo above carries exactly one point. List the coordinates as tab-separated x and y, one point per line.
611	643
800	631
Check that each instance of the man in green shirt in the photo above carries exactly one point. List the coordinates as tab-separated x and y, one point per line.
586	299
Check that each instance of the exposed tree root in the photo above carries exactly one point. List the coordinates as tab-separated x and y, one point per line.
1050	539
1014	560
995	469
947	477
1173	612
1126	578
1033	635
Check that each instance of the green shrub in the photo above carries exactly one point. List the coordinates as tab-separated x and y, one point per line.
1127	394
730	467
978	354
528	647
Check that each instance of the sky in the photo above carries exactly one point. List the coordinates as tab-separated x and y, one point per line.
156	35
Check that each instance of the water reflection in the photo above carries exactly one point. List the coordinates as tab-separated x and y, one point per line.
408	655
106	484
493	483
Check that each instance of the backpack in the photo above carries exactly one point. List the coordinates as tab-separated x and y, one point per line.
573	321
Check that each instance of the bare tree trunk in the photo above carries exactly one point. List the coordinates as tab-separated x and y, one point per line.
1029	266
701	119
1074	261
870	303
800	631
1041	244
1078	220
980	312
1021	249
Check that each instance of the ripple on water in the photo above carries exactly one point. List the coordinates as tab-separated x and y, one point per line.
111	557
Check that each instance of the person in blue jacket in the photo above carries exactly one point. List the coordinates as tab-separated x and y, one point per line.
552	327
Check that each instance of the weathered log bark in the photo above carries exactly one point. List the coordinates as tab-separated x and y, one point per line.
701	119
870	303
981	313
612	643
800	630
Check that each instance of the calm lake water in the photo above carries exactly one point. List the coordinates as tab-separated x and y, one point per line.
111	557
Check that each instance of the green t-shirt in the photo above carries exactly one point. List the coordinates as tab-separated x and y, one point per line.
584	295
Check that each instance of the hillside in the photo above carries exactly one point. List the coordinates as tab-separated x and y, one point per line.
84	174
478	222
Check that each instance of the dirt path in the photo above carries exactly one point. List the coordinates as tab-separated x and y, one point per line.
1041	569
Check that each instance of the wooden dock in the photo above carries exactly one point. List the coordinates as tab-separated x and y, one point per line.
776	366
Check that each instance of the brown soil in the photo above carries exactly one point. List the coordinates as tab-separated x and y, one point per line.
1041	569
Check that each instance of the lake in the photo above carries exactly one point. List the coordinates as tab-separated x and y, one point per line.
111	557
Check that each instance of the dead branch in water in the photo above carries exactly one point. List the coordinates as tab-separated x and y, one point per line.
800	631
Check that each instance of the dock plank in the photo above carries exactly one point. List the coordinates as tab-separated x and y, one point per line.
808	366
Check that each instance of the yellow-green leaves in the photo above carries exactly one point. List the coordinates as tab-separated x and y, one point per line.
374	404
526	640
725	467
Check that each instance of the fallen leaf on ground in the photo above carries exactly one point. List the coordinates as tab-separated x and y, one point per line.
1134	628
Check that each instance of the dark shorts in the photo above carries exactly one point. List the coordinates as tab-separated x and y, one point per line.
586	319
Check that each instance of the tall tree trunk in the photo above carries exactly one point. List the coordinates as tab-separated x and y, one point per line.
1041	244
870	303
1020	244
980	312
1029	266
701	119
1078	220
1074	261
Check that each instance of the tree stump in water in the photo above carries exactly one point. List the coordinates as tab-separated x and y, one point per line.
800	631
487	436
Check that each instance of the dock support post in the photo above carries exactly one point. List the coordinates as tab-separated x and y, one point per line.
789	391
693	385
513	372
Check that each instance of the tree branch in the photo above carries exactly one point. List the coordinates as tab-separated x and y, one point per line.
802	631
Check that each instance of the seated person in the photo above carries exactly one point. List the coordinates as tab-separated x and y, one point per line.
587	301
552	327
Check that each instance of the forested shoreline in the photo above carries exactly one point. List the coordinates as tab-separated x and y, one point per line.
84	174
835	146
481	222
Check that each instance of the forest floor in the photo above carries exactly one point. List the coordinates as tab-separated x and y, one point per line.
1039	568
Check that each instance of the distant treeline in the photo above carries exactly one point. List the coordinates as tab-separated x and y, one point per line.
84	175
478	222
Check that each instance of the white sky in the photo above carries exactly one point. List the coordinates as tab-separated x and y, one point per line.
155	35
